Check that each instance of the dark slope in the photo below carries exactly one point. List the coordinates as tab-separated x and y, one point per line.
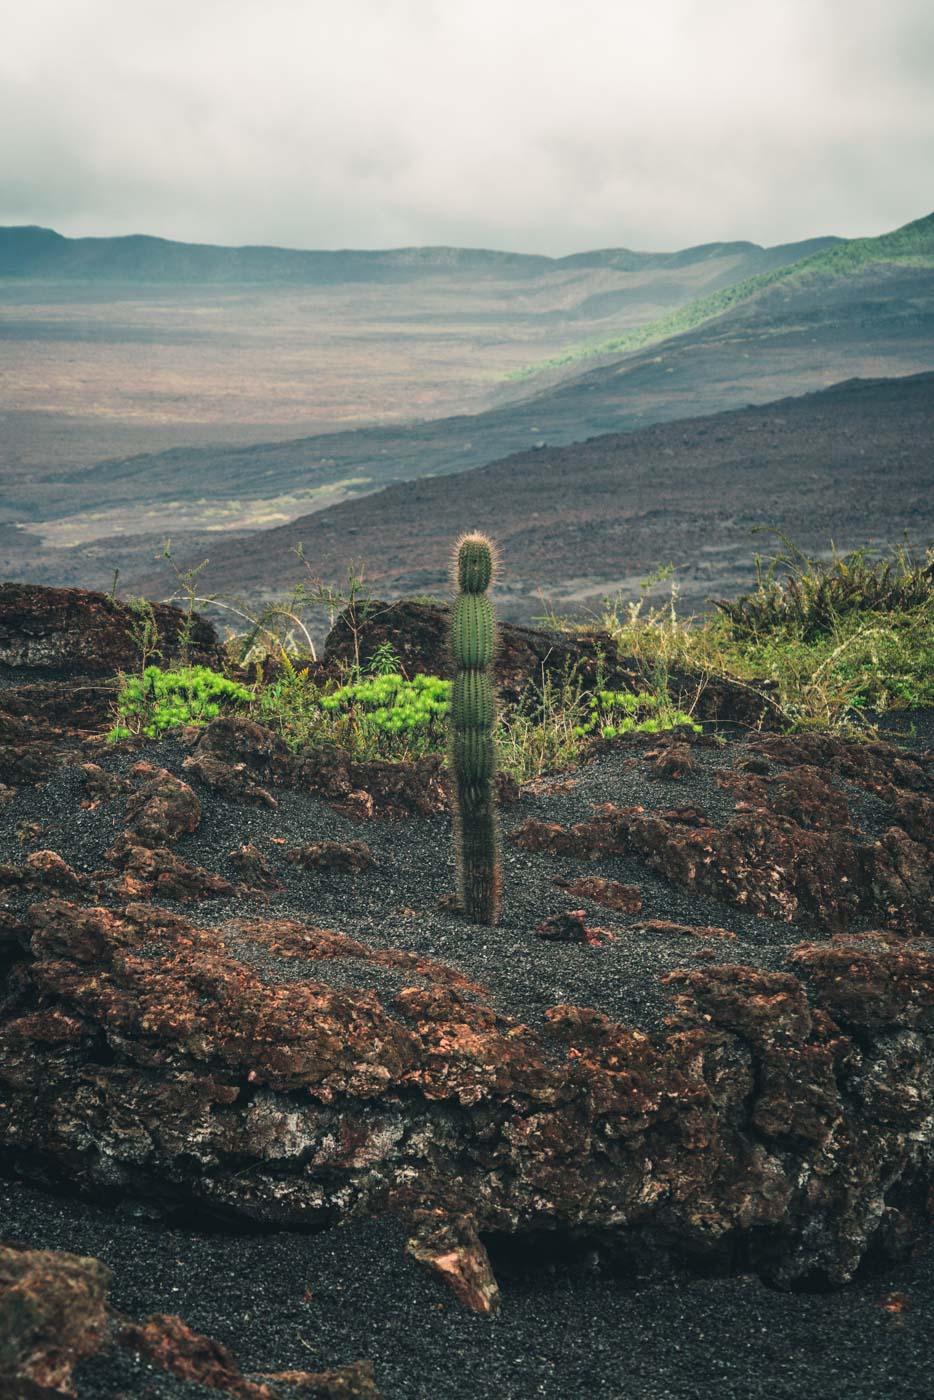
851	464
30	251
877	322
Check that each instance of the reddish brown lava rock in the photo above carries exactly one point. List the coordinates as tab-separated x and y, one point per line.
333	855
54	1313
85	633
255	869
450	1247
44	870
871	979
354	1382
758	1120
571	927
664	928
287	938
170	1344
101	786
870	764
768	865
157	870
626	899
671	761
802	795
24	759
238	758
162	807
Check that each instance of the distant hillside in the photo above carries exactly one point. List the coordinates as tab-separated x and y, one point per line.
866	315
879	322
852	464
911	246
33	252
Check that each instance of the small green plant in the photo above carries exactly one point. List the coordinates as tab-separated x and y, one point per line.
144	630
473	750
398	714
384	661
157	700
612	713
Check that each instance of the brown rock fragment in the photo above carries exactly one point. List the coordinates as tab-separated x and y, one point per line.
53	1314
450	1247
671	761
170	1344
162	808
255	869
664	928
627	899
332	855
870	979
571	927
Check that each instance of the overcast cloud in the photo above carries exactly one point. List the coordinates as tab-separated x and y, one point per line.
540	125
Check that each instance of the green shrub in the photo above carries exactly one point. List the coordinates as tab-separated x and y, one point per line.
157	700
611	713
837	640
399	717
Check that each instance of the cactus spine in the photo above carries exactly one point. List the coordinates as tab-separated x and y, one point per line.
473	711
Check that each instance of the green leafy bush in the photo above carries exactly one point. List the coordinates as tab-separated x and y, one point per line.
611	713
157	700
399	714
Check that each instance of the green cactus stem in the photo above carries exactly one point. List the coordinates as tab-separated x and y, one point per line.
472	715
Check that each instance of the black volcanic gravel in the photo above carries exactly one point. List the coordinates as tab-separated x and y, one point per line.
396	903
564	1332
569	1329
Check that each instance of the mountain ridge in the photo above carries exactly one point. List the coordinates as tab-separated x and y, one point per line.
583	519
31	250
910	245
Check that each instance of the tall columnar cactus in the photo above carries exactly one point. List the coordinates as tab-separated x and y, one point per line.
473	753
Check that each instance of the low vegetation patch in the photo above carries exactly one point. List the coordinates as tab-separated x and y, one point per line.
836	642
157	699
841	641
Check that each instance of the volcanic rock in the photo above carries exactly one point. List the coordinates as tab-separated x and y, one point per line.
82	633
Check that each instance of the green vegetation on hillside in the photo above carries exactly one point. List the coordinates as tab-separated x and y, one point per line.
832	645
909	246
836	643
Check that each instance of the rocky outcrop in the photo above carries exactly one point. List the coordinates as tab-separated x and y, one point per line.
269	1068
346	856
75	632
241	759
792	850
784	1118
626	899
417	632
55	1314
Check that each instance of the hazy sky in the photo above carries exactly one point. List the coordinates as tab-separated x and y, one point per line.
539	125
